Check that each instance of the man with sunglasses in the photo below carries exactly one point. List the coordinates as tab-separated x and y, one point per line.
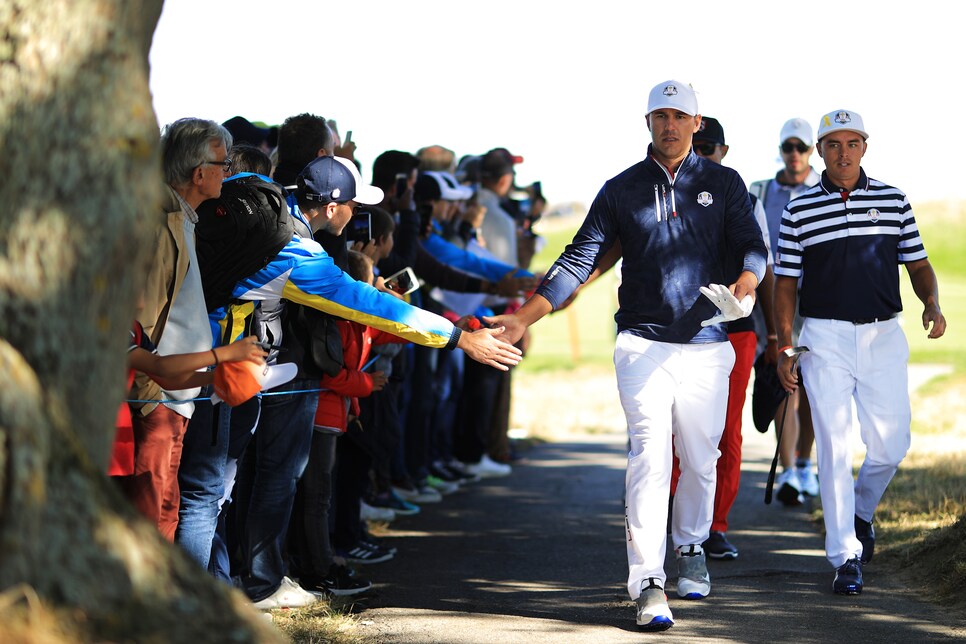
795	145
709	142
194	159
844	239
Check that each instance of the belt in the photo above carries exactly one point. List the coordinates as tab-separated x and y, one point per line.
872	320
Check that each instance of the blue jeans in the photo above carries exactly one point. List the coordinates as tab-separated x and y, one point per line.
242	423
267	474
201	478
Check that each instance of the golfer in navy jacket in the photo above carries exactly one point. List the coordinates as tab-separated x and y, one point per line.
679	219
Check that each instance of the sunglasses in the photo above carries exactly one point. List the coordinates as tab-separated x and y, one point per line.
788	146
705	149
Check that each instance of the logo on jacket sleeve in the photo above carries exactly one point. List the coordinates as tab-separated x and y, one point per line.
873	215
705	199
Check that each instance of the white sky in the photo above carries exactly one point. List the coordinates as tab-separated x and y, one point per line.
565	84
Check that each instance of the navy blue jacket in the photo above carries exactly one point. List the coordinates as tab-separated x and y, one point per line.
678	233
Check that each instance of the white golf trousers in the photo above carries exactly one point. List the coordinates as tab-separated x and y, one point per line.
669	388
867	362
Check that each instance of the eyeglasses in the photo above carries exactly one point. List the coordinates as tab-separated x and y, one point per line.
705	149
226	164
788	146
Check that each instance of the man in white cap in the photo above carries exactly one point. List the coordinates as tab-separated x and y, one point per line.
845	238
679	219
795	145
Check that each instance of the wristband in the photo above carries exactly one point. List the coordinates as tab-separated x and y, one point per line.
773	338
216	358
454	339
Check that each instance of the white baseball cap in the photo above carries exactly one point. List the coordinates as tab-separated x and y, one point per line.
844	120
797	128
673	95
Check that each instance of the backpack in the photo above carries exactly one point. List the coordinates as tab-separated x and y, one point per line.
239	233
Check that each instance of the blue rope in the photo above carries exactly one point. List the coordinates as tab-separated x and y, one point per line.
259	394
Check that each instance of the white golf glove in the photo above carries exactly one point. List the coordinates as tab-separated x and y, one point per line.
728	305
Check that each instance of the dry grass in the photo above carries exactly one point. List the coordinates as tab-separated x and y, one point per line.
328	622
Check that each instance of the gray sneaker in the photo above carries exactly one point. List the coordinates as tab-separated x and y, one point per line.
653	613
694	582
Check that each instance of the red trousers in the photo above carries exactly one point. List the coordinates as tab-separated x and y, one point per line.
153	489
729	463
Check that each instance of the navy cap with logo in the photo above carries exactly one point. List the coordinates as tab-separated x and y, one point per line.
710	130
334	179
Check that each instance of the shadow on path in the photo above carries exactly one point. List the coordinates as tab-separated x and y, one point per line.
539	557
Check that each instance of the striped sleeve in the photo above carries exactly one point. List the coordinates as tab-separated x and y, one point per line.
911	248
789	260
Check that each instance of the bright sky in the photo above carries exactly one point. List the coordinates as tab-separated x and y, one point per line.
565	84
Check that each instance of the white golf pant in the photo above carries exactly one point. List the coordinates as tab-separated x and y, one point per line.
669	388
867	362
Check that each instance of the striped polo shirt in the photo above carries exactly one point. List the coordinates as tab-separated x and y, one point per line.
846	247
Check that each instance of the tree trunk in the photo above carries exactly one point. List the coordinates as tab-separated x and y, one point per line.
79	173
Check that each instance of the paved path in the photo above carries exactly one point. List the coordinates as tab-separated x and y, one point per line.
539	557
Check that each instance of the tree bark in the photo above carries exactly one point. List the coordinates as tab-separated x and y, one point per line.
79	185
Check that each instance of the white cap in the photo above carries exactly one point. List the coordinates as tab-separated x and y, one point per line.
841	120
449	188
673	95
797	128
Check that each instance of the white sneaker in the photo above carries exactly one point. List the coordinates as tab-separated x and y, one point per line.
789	488
288	595
653	613
694	582
808	480
487	468
371	513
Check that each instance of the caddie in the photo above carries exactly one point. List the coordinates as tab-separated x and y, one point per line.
845	238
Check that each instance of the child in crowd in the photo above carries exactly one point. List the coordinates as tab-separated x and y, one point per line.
178	371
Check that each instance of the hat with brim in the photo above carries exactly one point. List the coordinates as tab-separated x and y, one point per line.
842	121
673	95
334	179
766	394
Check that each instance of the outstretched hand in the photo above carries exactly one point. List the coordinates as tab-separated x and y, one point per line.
729	307
486	347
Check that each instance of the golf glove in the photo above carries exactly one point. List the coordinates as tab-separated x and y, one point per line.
729	308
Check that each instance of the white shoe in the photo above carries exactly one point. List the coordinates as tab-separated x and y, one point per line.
808	480
653	613
487	468
694	582
371	513
288	595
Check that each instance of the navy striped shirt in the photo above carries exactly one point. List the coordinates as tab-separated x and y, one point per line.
846	247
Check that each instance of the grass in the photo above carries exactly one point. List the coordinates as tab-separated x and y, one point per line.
328	622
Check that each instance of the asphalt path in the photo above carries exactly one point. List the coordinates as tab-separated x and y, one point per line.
539	557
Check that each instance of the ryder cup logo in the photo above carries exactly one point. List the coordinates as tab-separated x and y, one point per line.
670	90
843	118
873	215
705	199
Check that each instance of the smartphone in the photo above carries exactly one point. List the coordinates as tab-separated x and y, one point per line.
402	184
360	227
403	282
348	137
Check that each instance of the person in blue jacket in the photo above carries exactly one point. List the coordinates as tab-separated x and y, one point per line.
678	217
